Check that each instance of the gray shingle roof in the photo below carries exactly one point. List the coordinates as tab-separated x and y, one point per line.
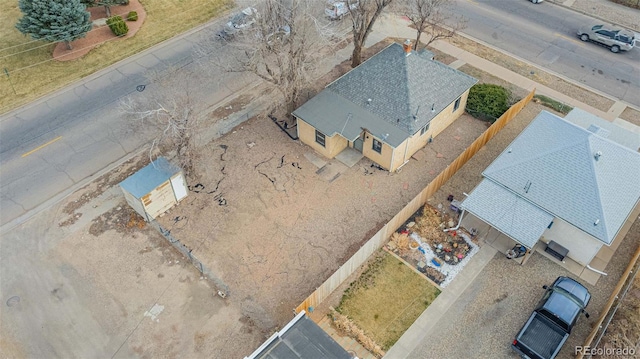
553	165
339	115
403	89
508	212
604	128
300	339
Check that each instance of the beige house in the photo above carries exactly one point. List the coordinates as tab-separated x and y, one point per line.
567	186
387	108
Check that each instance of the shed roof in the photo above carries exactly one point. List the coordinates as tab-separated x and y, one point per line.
571	173
404	91
149	177
300	339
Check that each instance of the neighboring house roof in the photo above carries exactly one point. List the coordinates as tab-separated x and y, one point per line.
300	339
569	172
402	90
604	128
149	177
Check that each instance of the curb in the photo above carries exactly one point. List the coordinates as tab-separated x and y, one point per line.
593	15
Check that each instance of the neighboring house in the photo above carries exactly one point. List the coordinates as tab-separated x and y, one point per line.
387	108
301	338
574	182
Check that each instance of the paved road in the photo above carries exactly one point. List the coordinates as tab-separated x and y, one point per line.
545	34
64	139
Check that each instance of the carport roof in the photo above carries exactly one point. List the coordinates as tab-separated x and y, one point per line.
507	212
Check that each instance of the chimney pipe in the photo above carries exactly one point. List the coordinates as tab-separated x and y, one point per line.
407	47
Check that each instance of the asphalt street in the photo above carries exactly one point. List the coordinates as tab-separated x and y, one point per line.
545	34
66	138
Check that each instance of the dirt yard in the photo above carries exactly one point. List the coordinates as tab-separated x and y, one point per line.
273	229
269	223
624	330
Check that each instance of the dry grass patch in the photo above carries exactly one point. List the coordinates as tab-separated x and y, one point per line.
533	73
386	299
34	73
632	115
486	78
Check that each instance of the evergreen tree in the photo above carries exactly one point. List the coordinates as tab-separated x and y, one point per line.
54	20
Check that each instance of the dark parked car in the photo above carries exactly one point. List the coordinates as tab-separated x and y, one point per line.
548	328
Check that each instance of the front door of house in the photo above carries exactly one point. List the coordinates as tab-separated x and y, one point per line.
357	144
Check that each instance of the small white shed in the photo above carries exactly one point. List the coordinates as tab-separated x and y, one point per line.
155	188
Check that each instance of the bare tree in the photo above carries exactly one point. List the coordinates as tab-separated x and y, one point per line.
282	47
170	111
364	14
431	17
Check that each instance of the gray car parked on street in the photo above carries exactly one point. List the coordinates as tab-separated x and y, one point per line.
615	38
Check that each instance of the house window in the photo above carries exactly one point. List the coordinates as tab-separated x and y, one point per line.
320	138
377	146
424	129
457	104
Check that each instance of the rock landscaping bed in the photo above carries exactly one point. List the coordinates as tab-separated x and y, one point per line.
423	243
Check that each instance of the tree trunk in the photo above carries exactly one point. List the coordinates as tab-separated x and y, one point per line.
415	46
356	57
107	9
68	43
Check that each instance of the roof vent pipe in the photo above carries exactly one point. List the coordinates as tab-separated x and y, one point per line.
597	155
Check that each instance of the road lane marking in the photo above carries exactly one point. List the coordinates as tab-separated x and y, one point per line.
572	39
41	147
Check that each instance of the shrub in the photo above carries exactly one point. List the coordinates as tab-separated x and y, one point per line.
117	25
488	101
132	16
551	103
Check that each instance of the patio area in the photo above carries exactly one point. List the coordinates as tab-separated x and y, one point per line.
488	235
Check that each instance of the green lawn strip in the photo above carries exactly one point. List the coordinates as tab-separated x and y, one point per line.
386	299
34	73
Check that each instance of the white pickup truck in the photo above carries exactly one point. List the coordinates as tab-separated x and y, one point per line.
336	10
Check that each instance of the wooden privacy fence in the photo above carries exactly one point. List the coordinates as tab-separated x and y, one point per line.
378	240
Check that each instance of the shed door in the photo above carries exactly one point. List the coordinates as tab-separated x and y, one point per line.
179	187
159	200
